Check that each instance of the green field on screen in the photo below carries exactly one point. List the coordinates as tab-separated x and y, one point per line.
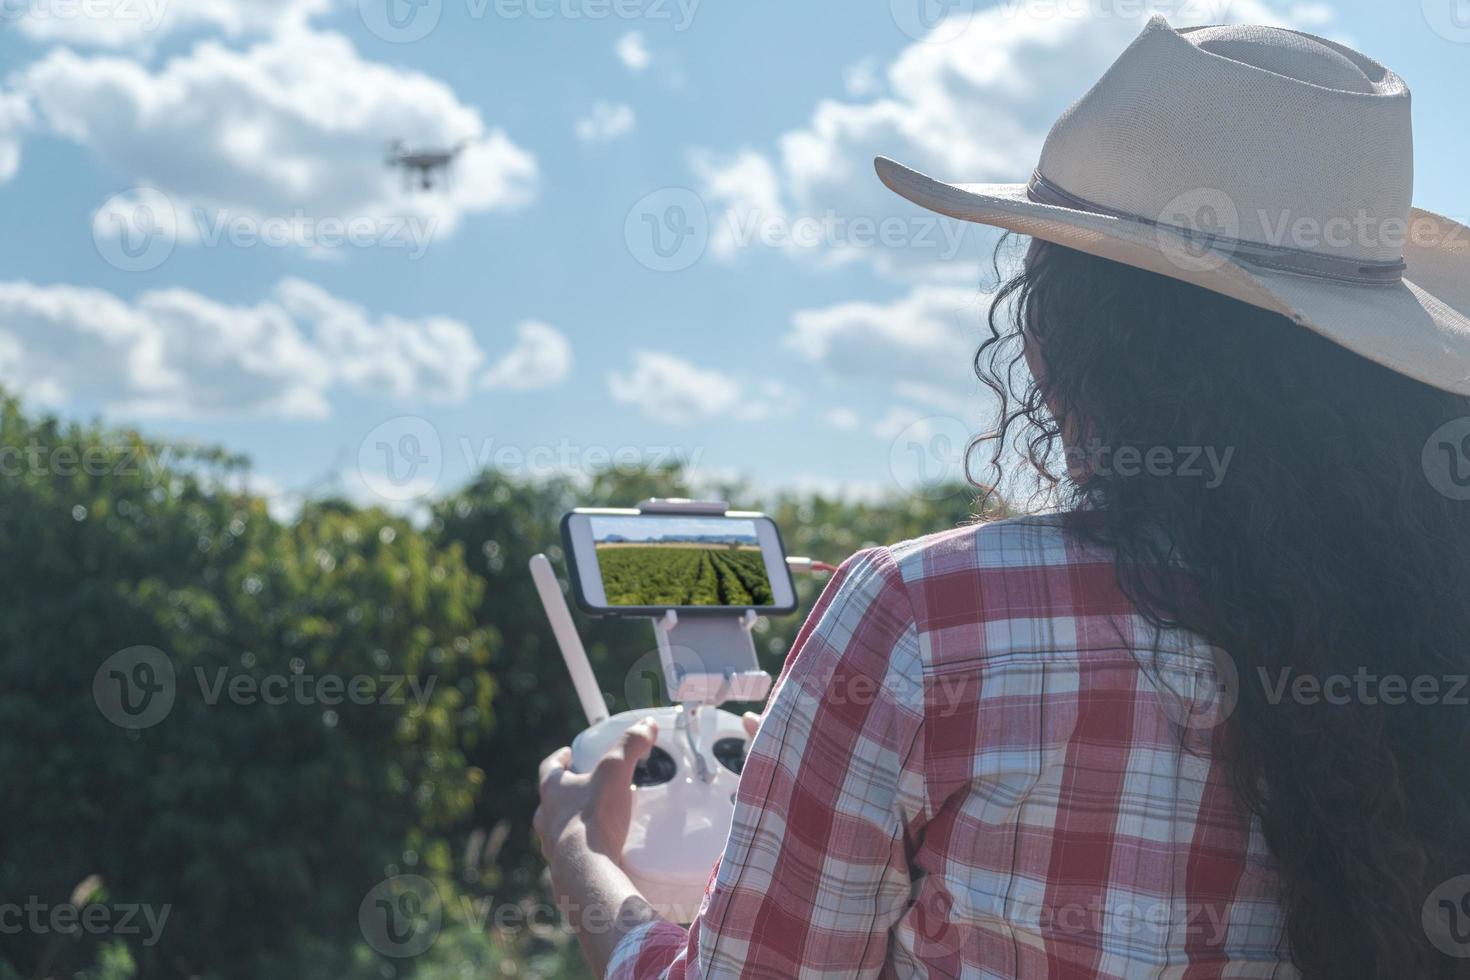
683	574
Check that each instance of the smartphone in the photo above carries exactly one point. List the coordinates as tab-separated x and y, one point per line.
630	563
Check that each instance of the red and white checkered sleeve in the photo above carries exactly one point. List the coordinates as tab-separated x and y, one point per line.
816	868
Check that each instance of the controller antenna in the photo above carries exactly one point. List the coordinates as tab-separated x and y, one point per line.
565	631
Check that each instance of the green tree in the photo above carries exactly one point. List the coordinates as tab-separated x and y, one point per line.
259	826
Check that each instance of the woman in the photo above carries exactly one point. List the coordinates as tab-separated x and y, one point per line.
1208	719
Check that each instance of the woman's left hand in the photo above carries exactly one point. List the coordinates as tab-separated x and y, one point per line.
592	808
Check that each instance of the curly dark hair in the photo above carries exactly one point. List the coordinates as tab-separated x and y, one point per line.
1325	549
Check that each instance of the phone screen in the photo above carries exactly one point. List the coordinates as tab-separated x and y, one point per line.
672	560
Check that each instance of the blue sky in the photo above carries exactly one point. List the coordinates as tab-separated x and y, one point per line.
524	316
646	529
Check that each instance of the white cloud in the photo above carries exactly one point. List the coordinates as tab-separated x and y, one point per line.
607	121
432	357
293	126
861	79
928	335
541	357
976	107
138	24
173	352
632	51
895	420
15	117
170	352
919	347
670	389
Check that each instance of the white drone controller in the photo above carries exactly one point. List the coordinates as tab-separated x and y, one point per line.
684	792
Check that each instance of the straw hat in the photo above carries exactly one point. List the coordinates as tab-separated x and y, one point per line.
1266	164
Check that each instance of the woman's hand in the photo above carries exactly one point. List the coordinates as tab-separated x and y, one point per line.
591	808
583	825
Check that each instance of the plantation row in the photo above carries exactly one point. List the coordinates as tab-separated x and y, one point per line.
655	576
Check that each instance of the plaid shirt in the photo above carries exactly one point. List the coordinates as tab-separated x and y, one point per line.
980	761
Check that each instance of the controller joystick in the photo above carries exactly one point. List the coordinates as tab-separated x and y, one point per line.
683	799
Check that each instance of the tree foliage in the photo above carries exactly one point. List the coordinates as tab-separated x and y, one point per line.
259	826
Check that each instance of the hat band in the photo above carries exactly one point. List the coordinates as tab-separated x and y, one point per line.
1276	258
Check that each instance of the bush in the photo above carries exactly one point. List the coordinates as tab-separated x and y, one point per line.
258	827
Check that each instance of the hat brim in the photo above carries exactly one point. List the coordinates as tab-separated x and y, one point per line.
1419	327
